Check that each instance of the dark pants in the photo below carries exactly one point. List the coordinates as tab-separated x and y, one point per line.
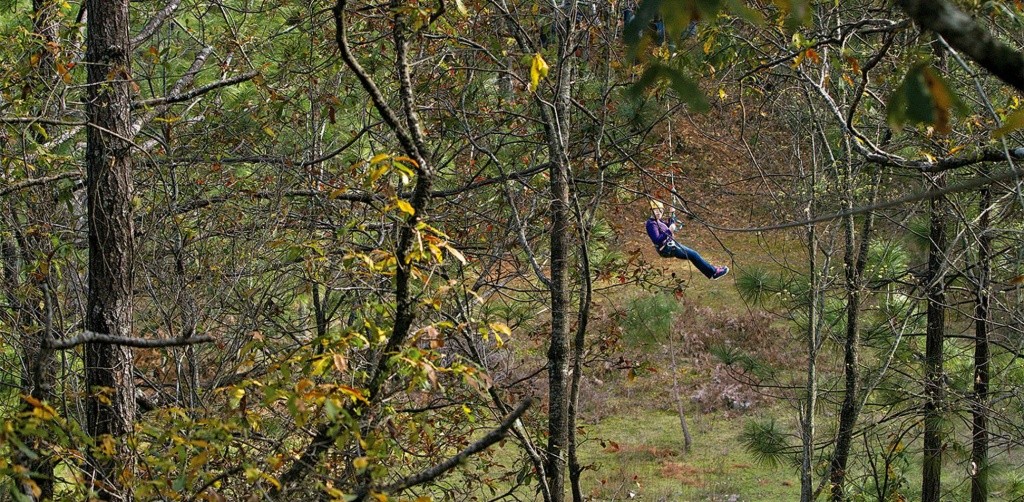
677	250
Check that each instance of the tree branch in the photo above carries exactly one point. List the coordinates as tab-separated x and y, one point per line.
379	103
156	22
970	38
185	96
41	120
971	184
127	341
38	181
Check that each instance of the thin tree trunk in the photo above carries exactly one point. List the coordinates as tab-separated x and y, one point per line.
110	404
33	323
408	131
979	443
855	261
933	386
579	343
811	387
677	396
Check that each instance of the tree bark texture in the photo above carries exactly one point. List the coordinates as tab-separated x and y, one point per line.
931	478
558	350
110	405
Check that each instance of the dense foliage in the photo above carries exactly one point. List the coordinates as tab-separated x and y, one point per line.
360	240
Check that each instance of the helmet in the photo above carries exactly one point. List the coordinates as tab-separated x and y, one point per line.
656	204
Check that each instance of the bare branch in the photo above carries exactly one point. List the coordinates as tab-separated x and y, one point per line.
183	82
381	105
155	22
41	120
38	181
199	91
127	341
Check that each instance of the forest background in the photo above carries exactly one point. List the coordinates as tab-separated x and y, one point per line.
301	250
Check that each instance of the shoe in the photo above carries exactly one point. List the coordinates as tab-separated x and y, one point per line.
719	273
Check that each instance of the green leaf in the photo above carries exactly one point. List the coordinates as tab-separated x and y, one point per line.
687	89
1012	123
923	98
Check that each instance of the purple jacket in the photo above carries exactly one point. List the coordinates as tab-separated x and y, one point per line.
658	231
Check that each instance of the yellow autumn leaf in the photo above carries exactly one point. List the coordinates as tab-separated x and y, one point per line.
64	72
456	253
235	397
360	463
340	363
538	70
377	173
107	444
405	207
501	327
380	157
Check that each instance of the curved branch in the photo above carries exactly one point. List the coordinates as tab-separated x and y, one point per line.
341	38
485	442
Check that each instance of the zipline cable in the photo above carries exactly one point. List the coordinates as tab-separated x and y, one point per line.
971	184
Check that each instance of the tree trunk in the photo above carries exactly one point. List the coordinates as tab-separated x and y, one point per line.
110	404
979	443
855	260
933	385
556	125
558	350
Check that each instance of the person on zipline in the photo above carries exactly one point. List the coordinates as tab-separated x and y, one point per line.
660	233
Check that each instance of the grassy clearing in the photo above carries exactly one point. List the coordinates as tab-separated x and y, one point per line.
639	455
